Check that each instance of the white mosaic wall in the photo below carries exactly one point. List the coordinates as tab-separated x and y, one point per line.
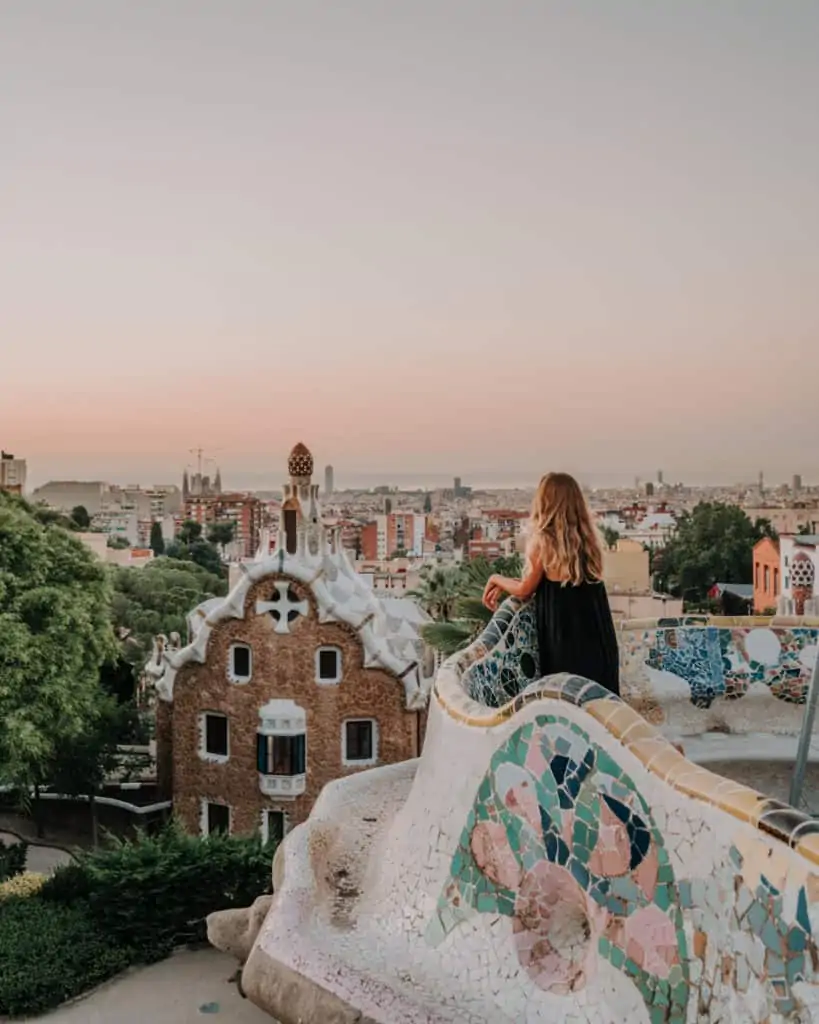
536	870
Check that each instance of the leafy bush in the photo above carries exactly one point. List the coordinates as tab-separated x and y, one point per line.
22	885
50	952
154	892
13	858
69	884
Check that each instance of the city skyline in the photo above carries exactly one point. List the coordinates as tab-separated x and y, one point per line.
443	239
274	476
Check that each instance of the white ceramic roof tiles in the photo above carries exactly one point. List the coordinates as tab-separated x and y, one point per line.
340	595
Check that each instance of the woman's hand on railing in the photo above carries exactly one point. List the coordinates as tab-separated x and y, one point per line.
492	594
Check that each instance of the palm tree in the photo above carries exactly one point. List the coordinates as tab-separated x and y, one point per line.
466	616
438	591
610	536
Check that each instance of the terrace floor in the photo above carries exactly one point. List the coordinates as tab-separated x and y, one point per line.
189	987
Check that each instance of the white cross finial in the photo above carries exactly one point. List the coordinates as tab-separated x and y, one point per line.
282	608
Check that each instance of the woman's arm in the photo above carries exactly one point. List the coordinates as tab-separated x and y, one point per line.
523	588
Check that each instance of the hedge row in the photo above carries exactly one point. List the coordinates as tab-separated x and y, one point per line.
130	903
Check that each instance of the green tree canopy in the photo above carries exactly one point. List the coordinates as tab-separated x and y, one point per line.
611	536
221	534
157	541
84	763
55	633
189	532
157	599
80	516
713	544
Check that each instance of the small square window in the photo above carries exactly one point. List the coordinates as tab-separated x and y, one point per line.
328	665
241	663
359	742
216	735
217	818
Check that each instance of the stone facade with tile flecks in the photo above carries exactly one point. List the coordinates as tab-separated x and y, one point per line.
283	668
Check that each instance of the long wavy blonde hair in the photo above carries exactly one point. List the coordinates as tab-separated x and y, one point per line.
563	535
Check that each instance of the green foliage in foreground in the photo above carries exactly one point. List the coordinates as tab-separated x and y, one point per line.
154	893
50	952
130	903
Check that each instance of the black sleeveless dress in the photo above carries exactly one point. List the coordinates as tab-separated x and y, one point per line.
575	632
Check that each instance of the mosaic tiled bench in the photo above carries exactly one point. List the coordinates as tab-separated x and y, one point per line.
551	860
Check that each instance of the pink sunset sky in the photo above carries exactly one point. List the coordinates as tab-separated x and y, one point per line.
432	237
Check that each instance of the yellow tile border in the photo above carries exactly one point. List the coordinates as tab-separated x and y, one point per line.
809	847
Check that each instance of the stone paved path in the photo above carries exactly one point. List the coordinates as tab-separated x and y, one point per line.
191	987
42	859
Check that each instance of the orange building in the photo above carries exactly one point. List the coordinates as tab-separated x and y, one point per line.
767	575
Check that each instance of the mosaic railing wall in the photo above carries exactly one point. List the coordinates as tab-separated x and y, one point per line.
700	891
692	660
506	655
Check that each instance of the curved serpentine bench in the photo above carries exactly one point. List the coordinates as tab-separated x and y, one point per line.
554	859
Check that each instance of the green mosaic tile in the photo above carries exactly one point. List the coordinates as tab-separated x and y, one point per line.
607	765
680	993
795	968
802	916
771	937
662	897
665	874
662	994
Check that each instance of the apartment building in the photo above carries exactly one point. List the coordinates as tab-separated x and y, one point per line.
12	474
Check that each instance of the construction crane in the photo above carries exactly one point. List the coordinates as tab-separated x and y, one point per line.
198	452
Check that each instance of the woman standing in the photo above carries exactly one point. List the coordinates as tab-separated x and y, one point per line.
564	570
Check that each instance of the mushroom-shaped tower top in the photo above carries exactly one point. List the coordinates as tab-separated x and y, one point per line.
300	463
803	573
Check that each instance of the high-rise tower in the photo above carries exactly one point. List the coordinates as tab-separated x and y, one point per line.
329	484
